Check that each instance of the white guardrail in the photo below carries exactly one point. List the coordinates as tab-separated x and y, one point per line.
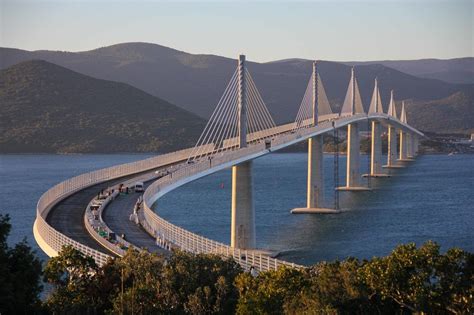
171	236
49	239
168	235
99	230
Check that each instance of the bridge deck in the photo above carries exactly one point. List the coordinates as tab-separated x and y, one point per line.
116	216
68	215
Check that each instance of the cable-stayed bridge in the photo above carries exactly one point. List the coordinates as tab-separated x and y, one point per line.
240	130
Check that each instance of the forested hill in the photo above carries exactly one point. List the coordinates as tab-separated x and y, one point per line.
47	108
457	70
452	114
195	82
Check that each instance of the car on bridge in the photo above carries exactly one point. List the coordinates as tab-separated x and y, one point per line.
139	187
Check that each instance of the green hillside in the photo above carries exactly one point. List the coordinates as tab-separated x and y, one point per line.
195	82
457	70
453	114
48	108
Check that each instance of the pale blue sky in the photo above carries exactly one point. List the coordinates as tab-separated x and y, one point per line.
264	31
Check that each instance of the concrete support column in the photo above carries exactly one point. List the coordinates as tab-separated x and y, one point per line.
403	146
392	147
353	178
409	145
243	213
416	145
353	156
315	194
413	145
376	150
315	185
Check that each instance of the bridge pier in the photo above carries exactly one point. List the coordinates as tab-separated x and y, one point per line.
376	152
242	233
392	148
416	145
404	147
412	144
353	160
405	137
409	146
315	185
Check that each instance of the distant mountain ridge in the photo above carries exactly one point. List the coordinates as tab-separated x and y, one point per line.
457	70
455	113
47	108
196	82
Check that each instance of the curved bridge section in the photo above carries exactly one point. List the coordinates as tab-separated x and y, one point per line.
50	239
239	131
170	235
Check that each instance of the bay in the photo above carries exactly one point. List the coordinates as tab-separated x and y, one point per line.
430	199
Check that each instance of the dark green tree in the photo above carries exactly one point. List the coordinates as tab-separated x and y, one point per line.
20	275
454	287
333	288
72	275
200	284
183	283
269	291
409	280
422	279
136	288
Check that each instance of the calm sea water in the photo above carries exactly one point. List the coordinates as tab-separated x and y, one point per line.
430	199
24	178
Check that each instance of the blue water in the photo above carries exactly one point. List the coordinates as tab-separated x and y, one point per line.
24	178
430	199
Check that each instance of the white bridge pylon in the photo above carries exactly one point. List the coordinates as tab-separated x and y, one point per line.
315	103
240	117
376	106
353	102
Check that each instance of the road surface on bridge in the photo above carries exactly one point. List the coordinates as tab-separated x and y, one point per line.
68	215
116	216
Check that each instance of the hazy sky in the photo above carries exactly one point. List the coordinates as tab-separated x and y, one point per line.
264	30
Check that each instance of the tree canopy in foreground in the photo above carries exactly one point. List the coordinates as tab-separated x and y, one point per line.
20	275
411	280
